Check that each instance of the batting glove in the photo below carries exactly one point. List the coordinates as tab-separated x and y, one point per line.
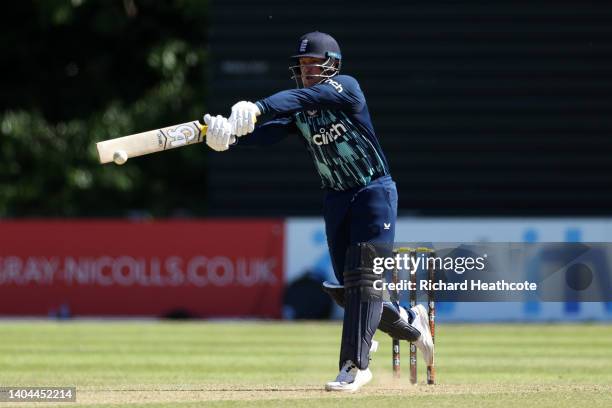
219	133
243	117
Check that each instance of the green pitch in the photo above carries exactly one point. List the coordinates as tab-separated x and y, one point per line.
279	364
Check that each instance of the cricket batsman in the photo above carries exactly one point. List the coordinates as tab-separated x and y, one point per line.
329	113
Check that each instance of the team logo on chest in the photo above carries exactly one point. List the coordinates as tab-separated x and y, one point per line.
327	136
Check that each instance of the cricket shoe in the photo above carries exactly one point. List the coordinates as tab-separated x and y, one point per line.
350	378
424	342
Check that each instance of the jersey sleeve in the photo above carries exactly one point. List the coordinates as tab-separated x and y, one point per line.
339	92
269	133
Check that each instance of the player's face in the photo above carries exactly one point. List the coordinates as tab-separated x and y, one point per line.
308	68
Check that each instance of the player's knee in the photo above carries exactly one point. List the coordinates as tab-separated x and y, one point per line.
392	324
359	271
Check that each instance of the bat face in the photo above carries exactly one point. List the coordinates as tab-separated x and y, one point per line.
152	141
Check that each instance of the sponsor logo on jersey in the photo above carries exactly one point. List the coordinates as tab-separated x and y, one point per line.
335	84
327	136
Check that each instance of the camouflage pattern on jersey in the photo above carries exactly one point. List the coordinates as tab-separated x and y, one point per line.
343	156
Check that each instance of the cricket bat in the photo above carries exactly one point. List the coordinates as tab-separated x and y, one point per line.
122	148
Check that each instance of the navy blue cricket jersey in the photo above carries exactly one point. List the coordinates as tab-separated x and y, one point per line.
335	125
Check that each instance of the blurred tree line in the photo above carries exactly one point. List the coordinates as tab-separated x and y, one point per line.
75	72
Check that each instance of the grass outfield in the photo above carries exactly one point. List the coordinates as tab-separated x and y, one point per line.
278	364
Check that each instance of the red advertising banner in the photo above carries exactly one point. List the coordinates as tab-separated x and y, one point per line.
220	268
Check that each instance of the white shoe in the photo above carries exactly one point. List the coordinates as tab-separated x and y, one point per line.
350	378
424	342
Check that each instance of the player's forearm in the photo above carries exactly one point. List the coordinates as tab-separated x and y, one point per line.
266	134
294	100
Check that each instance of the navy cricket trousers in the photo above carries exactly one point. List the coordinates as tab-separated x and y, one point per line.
362	214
